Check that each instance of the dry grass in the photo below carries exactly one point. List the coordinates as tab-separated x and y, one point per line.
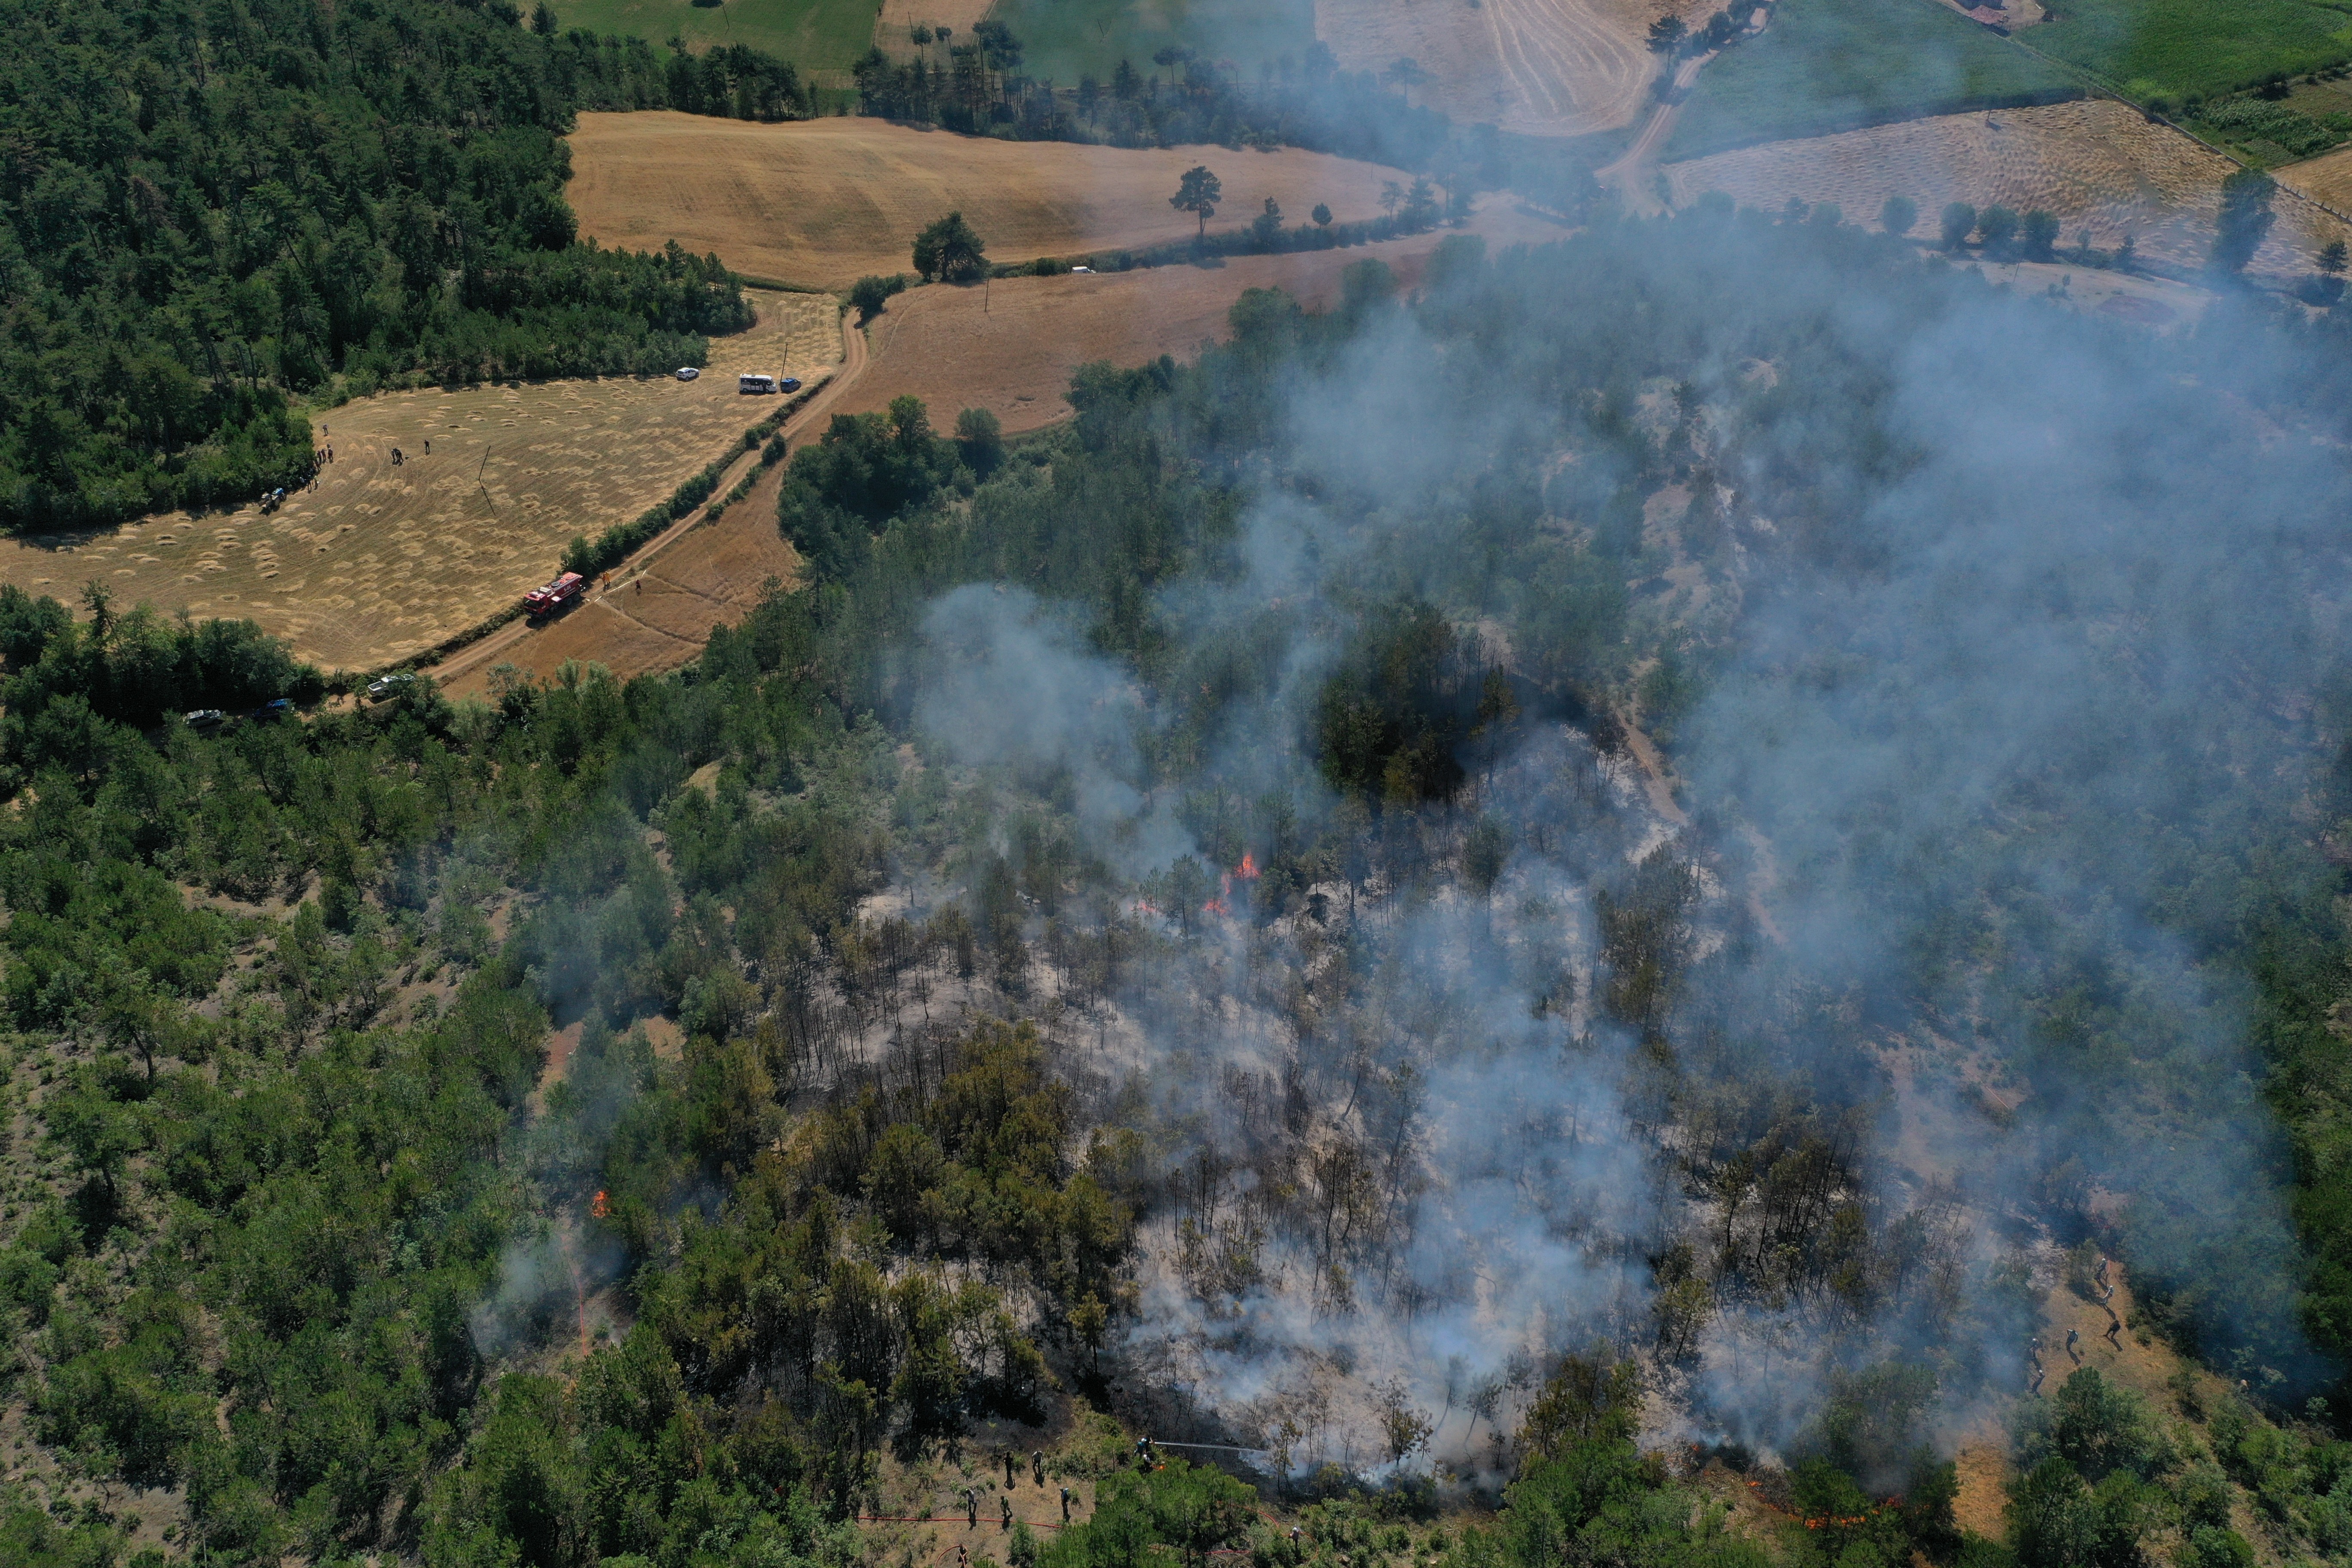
1540	67
2097	163
380	562
898	17
823	201
2326	178
1013	349
659	618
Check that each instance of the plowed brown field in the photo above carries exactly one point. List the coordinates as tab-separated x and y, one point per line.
381	562
822	202
2097	163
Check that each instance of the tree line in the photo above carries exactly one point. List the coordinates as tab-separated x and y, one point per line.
208	216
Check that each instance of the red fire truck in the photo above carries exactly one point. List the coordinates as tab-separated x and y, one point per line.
555	596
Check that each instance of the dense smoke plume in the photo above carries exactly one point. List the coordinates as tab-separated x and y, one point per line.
1943	789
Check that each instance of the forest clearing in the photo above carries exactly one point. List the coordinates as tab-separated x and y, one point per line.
819	203
382	562
2095	164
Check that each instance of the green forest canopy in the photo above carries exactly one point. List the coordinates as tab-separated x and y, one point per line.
291	1220
209	210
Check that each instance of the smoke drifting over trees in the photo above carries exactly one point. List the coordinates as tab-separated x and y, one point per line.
1640	842
1999	740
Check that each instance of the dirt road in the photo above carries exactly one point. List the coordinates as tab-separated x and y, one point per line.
1011	348
1633	176
617	626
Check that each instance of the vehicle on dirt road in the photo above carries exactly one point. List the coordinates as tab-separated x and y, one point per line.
384	686
283	708
206	719
546	601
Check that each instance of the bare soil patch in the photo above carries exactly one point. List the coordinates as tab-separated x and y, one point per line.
1540	67
1013	349
381	562
2095	164
823	202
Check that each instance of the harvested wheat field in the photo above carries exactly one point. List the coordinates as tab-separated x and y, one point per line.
658	618
1013	349
2326	178
1538	67
381	562
825	201
2097	163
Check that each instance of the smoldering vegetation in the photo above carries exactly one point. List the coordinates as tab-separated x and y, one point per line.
1449	1043
1656	838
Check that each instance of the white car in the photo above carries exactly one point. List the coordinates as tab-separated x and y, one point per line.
1081	269
687	372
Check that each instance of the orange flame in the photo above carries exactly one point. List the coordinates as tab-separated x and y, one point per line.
1247	871
599	1207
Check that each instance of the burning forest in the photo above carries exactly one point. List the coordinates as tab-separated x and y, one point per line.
1675	897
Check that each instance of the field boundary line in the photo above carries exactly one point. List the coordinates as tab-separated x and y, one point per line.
2157	117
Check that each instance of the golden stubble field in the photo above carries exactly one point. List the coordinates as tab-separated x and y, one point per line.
381	562
1538	67
823	202
1013	349
2095	164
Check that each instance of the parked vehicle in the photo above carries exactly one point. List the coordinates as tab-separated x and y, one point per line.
392	685
790	384
283	708
206	719
687	372
755	384
546	601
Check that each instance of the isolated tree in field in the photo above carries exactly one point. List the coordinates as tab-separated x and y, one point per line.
1996	227
1960	222
1405	76
1420	207
2245	219
1198	192
2040	234
1267	228
1322	216
870	293
1391	198
949	250
920	36
2332	258
1898	216
1125	83
980	441
1667	35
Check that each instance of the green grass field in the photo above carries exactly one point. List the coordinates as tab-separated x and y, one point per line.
2171	48
814	35
1833	65
1066	38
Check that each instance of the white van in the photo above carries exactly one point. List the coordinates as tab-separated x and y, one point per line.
755	384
